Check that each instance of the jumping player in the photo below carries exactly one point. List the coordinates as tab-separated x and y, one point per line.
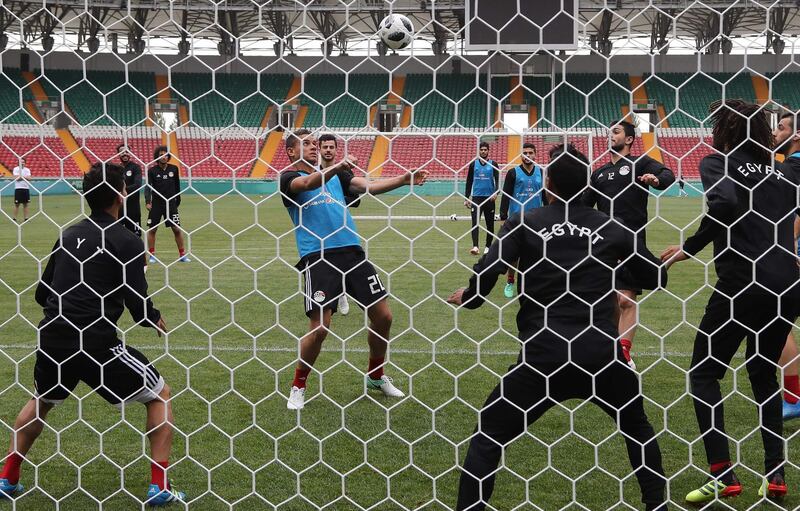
94	273
750	220
567	328
620	189
480	195
331	257
522	192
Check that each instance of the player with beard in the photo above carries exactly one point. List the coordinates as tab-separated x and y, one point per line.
331	257
787	139
620	189
750	220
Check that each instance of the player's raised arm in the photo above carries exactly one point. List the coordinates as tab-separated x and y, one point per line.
365	185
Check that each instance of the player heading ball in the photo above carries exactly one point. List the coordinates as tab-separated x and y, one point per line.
331	258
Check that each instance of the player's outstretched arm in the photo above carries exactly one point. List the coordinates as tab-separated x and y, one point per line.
359	185
316	179
722	202
503	252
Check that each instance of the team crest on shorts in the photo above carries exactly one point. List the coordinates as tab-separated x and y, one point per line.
624	171
319	296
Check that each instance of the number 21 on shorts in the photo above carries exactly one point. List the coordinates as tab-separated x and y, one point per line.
375	284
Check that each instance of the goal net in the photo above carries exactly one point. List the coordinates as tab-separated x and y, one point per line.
221	88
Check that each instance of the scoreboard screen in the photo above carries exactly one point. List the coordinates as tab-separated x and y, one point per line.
521	25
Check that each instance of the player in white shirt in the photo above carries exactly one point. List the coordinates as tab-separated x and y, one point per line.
22	189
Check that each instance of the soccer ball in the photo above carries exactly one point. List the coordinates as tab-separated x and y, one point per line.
396	31
453	217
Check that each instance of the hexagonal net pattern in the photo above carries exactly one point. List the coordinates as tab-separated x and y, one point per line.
396	255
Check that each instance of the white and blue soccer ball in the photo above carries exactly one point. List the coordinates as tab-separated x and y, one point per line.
396	31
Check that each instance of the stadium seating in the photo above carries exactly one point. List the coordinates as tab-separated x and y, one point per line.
436	107
44	151
225	155
328	106
100	143
12	109
682	150
785	91
605	95
222	99
446	157
112	98
693	93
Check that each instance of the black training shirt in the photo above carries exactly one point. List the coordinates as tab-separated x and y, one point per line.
133	178
617	191
568	257
163	184
95	271
750	220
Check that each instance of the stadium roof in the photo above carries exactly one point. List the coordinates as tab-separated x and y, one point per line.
346	24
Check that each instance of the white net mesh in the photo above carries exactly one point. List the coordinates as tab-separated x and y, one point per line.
221	85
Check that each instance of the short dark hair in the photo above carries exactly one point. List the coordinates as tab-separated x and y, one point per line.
789	115
160	149
529	145
122	146
568	171
483	144
630	129
294	138
327	137
102	185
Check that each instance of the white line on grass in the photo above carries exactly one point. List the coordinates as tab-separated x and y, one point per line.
406	351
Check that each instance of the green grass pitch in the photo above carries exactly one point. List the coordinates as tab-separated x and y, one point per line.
235	314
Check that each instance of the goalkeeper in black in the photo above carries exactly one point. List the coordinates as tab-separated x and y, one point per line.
568	254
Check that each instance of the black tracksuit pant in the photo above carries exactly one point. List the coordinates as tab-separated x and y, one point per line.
765	323
502	419
484	206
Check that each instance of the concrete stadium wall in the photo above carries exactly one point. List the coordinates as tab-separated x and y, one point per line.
499	64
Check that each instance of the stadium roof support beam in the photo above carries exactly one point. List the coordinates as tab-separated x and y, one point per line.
601	41
778	16
662	24
43	24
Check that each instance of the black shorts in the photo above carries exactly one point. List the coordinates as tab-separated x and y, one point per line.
22	196
169	212
339	272
133	215
118	373
627	282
